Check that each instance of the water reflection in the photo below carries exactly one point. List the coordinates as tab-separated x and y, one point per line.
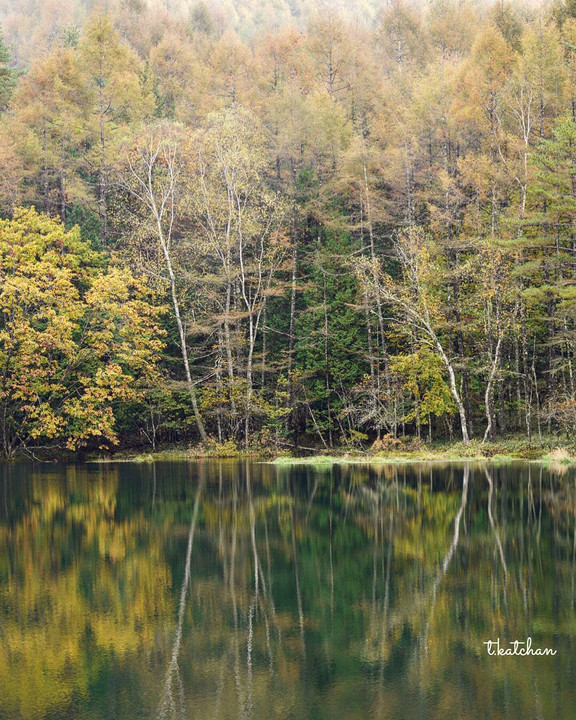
168	706
235	590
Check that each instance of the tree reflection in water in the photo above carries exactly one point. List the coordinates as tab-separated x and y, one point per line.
168	707
237	590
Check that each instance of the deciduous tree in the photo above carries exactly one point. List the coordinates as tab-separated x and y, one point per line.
76	337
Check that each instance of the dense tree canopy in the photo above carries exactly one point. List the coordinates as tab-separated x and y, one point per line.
362	224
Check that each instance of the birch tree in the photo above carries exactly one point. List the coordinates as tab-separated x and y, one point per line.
415	303
153	174
239	217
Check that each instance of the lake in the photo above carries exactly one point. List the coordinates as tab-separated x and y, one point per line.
219	590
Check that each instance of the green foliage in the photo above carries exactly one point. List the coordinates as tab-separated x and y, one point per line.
422	376
88	223
160	414
316	204
7	75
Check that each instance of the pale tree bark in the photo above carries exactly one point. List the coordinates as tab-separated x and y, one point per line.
489	387
239	216
291	420
422	323
219	232
453	385
373	258
254	284
495	364
413	305
168	705
152	178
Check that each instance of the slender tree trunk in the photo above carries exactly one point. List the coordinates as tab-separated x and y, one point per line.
102	179
460	348
249	378
373	387
264	336
160	201
378	299
518	380
527	395
63	183
327	360
219	384
228	346
191	388
456	395
501	405
488	395
182	335
291	420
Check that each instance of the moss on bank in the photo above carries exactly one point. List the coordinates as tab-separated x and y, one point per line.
550	452
515	448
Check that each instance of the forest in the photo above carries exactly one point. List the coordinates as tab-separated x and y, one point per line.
286	226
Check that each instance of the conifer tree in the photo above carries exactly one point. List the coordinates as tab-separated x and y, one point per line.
7	75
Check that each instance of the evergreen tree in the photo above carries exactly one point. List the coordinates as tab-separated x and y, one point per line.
7	75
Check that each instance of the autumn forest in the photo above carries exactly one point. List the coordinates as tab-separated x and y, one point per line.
286	226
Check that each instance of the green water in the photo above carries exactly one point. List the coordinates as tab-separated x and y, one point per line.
232	590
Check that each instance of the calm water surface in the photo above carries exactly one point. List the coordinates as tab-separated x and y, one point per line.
219	590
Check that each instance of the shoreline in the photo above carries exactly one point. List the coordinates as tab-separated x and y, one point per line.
511	449
507	451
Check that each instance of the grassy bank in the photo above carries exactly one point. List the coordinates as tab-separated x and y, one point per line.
551	450
517	448
557	456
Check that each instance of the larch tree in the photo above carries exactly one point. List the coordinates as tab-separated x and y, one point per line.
549	265
177	77
116	98
51	104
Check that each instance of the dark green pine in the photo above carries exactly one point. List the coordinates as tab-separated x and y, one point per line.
7	75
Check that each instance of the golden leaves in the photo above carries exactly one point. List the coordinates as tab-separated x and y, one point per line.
72	342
